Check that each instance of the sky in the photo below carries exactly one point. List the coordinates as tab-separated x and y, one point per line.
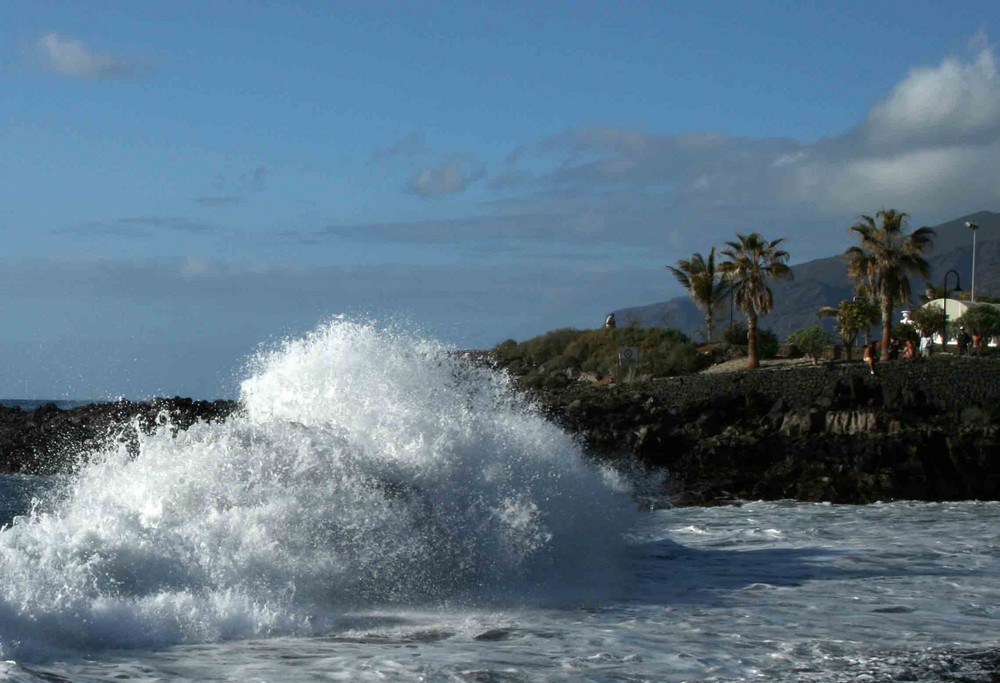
185	183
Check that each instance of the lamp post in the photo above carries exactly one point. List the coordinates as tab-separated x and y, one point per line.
973	227
946	291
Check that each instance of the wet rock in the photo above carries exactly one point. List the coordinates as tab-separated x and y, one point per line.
830	433
49	440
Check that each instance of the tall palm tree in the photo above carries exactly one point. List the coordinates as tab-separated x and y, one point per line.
883	258
751	262
704	282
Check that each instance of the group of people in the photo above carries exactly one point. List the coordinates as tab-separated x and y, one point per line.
908	348
971	344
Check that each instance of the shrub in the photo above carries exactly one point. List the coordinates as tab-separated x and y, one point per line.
905	332
767	344
767	341
928	319
984	319
551	359
735	334
811	340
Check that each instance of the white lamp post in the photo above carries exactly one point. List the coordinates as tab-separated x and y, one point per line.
973	227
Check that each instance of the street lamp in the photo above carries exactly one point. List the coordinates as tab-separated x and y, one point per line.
973	227
946	291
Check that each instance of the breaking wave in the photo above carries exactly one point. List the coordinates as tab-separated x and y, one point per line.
366	468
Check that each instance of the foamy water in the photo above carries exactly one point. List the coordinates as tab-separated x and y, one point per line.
383	512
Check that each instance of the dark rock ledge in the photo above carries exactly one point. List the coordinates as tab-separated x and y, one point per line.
923	431
49	440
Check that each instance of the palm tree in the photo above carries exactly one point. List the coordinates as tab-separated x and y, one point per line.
703	282
884	257
752	261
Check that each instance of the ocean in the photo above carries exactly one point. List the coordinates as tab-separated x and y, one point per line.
383	512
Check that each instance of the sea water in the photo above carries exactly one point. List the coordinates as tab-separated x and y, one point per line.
382	511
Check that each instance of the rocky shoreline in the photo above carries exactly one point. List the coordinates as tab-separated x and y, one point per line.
47	440
925	431
919	431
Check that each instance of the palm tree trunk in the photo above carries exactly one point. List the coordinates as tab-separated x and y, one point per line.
708	323
886	327
751	317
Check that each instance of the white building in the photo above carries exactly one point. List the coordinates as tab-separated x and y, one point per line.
953	309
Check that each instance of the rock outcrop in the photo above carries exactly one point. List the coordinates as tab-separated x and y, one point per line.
48	440
922	430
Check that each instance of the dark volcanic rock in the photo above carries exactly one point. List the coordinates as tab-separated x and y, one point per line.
48	440
924	431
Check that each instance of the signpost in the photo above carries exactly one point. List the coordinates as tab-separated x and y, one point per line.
628	355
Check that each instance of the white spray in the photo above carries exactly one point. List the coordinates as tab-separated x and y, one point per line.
367	468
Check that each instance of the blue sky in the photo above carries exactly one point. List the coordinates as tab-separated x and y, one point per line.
182	182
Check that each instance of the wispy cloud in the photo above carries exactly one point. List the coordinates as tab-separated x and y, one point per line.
435	231
143	227
451	176
71	57
930	146
218	202
409	146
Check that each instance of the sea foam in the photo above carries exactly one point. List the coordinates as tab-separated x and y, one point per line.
366	468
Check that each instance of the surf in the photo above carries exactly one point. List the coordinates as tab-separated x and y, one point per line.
367	467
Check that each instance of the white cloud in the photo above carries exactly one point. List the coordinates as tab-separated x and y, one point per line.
930	147
953	102
452	176
71	57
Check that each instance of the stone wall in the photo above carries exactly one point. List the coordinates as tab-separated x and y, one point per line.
944	382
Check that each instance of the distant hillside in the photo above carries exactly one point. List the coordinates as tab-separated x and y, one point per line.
824	282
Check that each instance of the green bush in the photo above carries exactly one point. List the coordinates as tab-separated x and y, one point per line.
928	319
735	334
767	344
811	340
551	359
767	341
984	319
905	332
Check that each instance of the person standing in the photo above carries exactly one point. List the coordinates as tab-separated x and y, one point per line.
894	349
963	341
871	356
609	322
926	344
